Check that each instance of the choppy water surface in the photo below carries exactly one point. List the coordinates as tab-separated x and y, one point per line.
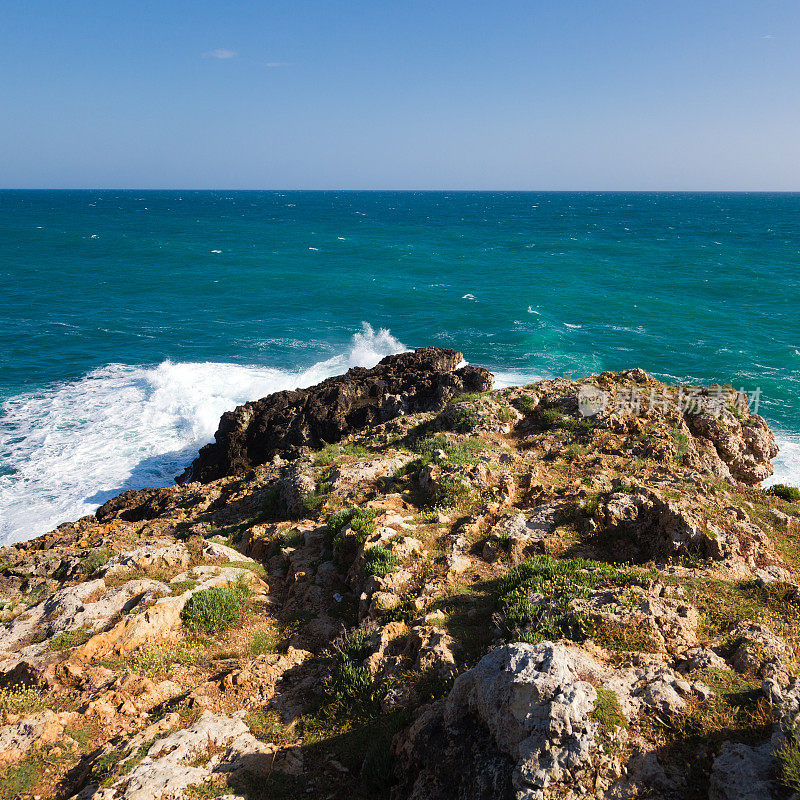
130	320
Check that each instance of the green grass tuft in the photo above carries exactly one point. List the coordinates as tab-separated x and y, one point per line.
788	755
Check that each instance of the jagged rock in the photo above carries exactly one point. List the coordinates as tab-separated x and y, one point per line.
253	433
143	504
648	526
431	651
528	710
86	605
297	483
696	658
536	710
351	477
521	530
254	683
745	444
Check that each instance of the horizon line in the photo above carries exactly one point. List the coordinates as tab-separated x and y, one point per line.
418	191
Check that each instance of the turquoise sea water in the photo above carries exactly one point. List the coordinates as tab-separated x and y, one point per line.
130	320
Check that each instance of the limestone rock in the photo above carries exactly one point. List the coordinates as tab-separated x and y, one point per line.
742	772
176	762
745	445
756	646
44	727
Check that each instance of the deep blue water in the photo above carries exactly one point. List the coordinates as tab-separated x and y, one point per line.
130	320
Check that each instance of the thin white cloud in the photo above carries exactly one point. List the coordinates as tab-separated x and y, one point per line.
768	36
220	53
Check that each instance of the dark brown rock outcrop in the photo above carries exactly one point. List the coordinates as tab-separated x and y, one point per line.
422	380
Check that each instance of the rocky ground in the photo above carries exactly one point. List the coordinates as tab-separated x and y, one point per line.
569	589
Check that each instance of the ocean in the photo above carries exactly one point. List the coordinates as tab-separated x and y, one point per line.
129	321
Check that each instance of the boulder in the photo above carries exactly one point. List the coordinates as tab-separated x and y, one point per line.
529	704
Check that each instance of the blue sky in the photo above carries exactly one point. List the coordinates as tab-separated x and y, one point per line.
562	94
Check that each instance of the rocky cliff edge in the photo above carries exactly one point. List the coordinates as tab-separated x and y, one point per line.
401	584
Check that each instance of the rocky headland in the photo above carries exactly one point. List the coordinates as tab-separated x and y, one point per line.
402	584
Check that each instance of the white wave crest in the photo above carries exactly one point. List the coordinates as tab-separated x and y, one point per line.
67	449
502	380
787	463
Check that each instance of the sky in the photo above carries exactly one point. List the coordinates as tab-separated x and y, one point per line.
394	94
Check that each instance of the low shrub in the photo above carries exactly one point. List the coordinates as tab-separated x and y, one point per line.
529	403
463	417
95	560
791	494
360	520
379	561
452	489
550	419
215	609
350	683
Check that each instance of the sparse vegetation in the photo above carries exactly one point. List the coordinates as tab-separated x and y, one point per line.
448	520
23	700
152	660
681	441
560	581
788	755
264	641
69	639
332	453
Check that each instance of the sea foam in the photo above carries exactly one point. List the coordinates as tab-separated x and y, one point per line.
67	449
787	463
